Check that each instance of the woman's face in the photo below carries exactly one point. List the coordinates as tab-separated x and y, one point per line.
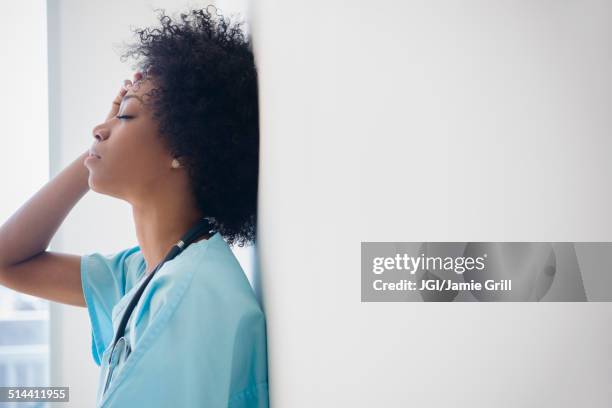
132	158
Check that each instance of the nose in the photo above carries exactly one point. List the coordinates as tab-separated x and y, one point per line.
100	133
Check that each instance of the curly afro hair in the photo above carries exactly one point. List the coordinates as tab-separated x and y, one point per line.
205	102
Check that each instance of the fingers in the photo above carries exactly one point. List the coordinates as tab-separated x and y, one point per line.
122	91
137	78
127	84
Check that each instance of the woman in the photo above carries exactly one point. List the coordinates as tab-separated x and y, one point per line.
181	146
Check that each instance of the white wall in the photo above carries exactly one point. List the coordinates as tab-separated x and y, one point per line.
85	73
430	121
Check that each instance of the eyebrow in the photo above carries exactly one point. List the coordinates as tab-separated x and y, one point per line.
126	97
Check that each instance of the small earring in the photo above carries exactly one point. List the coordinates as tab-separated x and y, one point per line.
175	163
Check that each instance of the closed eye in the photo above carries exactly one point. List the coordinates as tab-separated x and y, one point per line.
123	117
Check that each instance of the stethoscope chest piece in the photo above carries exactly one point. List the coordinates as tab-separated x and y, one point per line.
119	353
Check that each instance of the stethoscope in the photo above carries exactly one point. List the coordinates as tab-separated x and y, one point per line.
121	348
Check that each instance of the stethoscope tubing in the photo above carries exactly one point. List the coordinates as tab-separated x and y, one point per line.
124	349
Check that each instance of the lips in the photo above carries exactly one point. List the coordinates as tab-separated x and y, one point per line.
92	152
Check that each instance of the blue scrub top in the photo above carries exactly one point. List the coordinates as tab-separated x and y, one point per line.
197	334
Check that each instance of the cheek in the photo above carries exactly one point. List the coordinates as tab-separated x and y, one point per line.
139	166
135	149
145	168
134	161
126	177
146	164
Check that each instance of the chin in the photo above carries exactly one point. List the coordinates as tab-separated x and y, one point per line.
93	185
97	185
104	188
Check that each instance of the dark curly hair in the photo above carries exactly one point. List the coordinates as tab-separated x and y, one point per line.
205	102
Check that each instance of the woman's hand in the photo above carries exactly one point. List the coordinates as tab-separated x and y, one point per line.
124	88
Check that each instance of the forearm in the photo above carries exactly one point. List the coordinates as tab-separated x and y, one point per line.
30	229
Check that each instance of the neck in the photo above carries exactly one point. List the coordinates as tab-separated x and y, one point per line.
159	225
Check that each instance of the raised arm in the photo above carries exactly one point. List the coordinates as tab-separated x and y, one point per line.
25	263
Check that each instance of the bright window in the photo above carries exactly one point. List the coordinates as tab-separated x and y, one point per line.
24	168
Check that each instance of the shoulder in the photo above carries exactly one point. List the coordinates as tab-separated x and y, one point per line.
116	261
220	276
110	269
205	275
